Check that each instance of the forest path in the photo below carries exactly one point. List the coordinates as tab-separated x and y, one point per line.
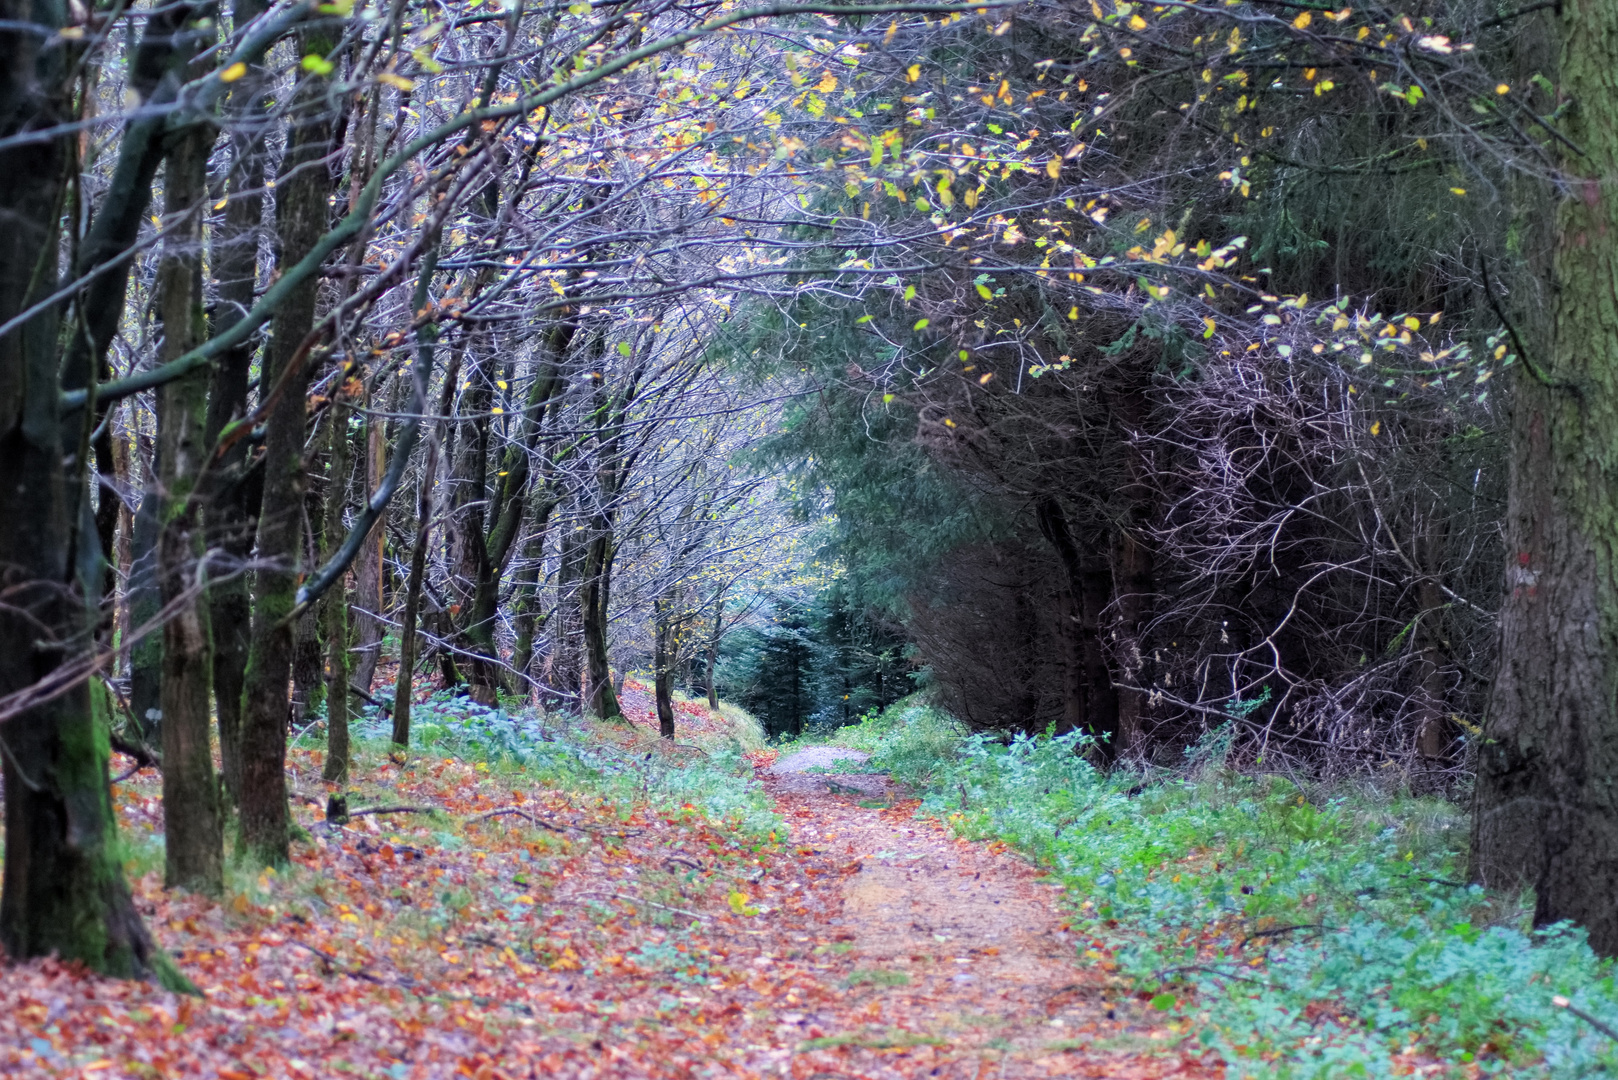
964	965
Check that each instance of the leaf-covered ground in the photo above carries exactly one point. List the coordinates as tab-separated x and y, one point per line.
519	931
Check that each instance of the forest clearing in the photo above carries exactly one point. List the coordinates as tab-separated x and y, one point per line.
813	538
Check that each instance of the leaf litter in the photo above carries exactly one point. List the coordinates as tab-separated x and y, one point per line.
488	928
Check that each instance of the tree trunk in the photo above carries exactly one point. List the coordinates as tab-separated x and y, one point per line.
1090	700
713	650
663	680
143	599
1546	802
369	603
469	556
64	890
308	661
1134	611
564	667
301	216
405	682
192	838
599	698
156	70
335	605
230	507
525	607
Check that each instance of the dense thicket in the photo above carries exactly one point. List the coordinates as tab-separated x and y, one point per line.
1155	495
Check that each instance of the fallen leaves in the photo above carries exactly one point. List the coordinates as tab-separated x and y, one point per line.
526	931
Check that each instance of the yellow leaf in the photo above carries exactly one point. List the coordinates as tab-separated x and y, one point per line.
1503	88
985	379
233	72
983	291
1458	190
1376	428
1302	21
827	83
1053	168
1211	325
912	73
1137	23
971	198
398	82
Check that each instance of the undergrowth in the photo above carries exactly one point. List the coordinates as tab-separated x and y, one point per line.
1301	932
614	761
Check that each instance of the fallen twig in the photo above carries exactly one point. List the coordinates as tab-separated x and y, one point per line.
394	810
334	964
525	815
144	758
1563	1003
368	699
1211	970
1277	931
648	903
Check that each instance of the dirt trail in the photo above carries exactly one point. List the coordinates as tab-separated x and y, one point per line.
964	965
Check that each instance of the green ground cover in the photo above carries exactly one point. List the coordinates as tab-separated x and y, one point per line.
1302	930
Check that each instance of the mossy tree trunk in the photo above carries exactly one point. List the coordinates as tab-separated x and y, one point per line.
1547	787
301	216
64	891
193	843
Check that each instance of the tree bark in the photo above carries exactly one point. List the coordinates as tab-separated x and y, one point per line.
599	697
1546	810
335	610
64	890
1090	700
308	660
301	218
713	649
663	678
369	602
193	841
143	598
230	505
405	682
564	667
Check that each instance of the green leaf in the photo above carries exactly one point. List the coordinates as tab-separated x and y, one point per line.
1163	1002
318	64
623	348
921	324
983	291
910	292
